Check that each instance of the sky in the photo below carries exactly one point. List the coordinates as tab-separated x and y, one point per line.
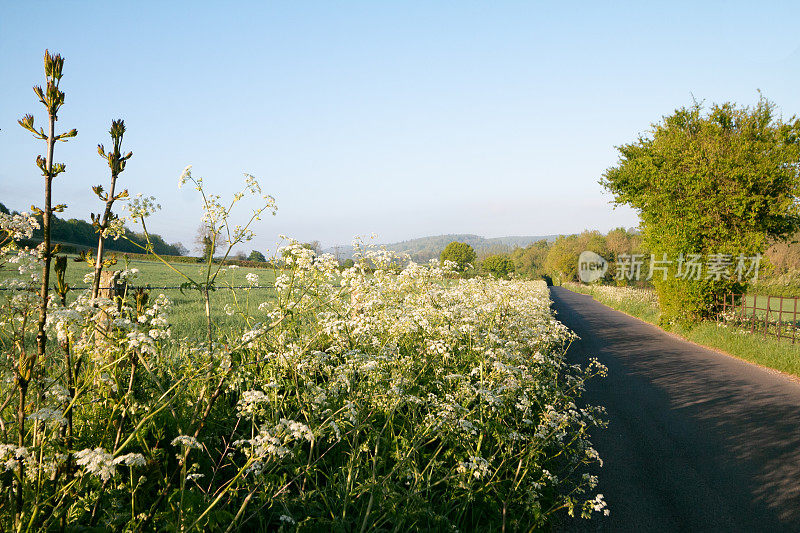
404	119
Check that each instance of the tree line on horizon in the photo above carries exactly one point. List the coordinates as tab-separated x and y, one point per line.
81	234
557	261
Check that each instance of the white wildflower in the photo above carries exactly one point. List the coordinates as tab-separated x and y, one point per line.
46	414
250	400
131	459
186	441
97	462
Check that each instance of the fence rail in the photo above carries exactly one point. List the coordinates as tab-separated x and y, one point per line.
775	316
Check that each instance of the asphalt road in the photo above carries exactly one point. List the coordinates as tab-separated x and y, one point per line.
697	440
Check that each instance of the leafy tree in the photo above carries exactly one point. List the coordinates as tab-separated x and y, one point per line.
460	253
498	265
314	246
180	248
529	261
207	241
82	233
255	255
724	182
348	263
561	262
622	241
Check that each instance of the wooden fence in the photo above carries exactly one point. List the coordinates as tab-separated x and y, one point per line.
764	315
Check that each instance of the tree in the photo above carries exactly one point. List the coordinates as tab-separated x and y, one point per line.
498	265
255	255
529	261
180	248
314	246
561	262
460	253
207	242
721	183
621	241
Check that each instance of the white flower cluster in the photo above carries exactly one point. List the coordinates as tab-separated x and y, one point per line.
389	363
47	414
18	226
115	229
103	465
141	207
97	462
250	400
11	455
187	442
477	467
471	357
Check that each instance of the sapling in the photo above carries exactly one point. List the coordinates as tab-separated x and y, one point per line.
109	223
52	98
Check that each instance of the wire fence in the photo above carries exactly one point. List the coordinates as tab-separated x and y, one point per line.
775	316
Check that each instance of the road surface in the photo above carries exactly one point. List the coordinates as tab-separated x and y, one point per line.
697	440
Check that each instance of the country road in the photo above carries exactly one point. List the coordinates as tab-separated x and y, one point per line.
696	441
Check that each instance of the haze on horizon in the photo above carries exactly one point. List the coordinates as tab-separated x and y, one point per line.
405	120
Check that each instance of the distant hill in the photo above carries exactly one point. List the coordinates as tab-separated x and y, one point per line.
426	248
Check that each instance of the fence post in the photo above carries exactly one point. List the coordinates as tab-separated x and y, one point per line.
112	288
110	285
743	299
766	316
780	315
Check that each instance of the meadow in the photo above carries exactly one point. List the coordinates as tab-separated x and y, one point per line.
187	318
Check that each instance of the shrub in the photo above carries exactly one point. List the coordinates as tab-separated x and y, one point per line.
499	265
257	257
460	253
721	183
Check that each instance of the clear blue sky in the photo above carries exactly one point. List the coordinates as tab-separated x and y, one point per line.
401	118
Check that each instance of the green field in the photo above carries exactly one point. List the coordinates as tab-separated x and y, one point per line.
187	317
